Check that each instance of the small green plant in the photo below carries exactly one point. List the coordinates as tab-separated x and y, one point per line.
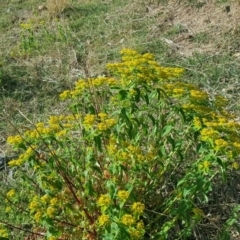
36	38
134	156
29	42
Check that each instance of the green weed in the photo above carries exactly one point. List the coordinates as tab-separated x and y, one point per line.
135	158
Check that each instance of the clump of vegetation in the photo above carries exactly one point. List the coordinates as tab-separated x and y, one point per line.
55	7
135	156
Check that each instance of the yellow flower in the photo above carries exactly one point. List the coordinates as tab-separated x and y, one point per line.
136	234
138	207
52	238
198	211
197	123
123	195
53	201
3	232
208	133
198	95
110	122
140	225
64	95
26	26
11	193
106	123
237	145
89	120
111	148
81	84
51	211
61	133
37	216
102	126
102	116
104	200
8	209
220	144
15	140
103	219
45	198
127	219
235	165
205	165
132	92
178	92
34	204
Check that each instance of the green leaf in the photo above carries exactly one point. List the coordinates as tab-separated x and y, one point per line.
146	99
98	142
124	116
137	95
152	119
166	130
186	192
123	94
89	188
171	140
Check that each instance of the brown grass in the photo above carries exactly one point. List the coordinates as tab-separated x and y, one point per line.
55	7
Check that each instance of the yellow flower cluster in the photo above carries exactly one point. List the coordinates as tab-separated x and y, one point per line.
123	195
43	206
138	207
208	134
197	123
57	125
15	140
24	157
89	120
103	220
178	92
104	200
102	122
106	124
3	231
205	165
26	26
220	144
198	212
127	219
235	165
177	89
35	204
52	238
126	152
51	211
136	67
91	84
137	231
11	193
198	95
37	216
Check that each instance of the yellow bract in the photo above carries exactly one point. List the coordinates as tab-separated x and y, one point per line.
104	200
11	193
103	219
128	219
138	207
123	195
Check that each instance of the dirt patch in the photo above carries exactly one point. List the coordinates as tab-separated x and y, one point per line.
206	27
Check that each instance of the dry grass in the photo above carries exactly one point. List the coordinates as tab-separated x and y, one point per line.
55	7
